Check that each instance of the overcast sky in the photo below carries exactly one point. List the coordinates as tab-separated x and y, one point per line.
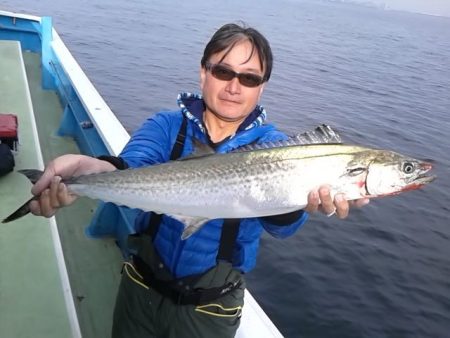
434	7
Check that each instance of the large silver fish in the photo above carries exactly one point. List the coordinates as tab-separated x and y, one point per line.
252	182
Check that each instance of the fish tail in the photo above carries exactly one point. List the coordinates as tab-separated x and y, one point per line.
32	174
22	211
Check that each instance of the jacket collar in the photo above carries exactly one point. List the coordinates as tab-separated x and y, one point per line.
193	106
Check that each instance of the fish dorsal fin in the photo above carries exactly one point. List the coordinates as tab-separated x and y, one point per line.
320	135
200	150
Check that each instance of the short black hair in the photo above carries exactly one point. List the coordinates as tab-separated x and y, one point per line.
227	36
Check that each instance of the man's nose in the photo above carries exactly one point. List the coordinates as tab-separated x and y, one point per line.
234	87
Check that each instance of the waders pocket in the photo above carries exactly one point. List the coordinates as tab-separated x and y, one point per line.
218	310
133	274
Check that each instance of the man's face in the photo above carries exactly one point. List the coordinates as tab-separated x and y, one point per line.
229	100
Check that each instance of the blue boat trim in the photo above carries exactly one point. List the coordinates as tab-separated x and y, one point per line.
47	37
87	118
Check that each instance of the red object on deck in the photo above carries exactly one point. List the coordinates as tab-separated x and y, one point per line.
8	125
8	130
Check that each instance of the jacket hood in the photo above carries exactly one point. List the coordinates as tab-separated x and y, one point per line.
193	106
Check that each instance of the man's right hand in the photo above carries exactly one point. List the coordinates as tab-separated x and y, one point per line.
52	193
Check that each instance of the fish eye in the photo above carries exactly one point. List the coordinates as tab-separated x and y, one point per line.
408	167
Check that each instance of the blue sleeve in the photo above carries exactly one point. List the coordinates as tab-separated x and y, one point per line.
284	230
152	142
272	135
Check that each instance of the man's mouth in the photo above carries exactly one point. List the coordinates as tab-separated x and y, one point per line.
229	101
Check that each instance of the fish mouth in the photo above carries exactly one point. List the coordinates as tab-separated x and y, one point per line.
419	181
425	166
416	183
424	179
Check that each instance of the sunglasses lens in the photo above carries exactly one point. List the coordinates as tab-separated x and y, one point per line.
250	80
225	74
222	73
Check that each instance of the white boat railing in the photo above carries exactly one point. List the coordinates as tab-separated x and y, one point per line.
254	322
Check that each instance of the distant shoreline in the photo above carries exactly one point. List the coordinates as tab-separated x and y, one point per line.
387	7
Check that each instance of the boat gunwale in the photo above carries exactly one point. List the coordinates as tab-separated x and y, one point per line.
115	136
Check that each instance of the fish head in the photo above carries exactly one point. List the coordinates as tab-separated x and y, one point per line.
391	173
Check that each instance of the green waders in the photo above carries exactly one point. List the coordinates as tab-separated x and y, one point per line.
141	311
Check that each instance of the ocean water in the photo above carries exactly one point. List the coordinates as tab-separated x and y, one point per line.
382	78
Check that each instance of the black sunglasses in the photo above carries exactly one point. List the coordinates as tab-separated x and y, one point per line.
224	73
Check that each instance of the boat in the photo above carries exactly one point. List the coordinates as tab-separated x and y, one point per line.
56	280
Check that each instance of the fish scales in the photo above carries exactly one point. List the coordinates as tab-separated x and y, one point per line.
224	185
250	183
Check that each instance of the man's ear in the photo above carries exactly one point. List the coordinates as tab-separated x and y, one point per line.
202	76
261	90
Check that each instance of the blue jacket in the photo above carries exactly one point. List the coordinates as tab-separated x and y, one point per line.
153	143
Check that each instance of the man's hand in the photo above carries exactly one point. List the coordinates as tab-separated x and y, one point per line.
320	200
52	193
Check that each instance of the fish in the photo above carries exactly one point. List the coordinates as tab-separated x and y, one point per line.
256	181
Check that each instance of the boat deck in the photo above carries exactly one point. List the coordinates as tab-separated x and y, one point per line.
31	293
32	297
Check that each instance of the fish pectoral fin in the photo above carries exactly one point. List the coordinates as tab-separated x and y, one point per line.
191	224
32	174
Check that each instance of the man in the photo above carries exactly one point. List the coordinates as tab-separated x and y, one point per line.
193	288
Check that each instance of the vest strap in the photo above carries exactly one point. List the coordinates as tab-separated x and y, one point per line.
177	150
230	227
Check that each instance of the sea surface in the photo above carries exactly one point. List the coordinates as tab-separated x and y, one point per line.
382	78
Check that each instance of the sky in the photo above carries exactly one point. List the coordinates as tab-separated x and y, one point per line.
432	7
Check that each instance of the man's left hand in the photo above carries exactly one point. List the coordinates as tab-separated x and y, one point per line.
321	200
